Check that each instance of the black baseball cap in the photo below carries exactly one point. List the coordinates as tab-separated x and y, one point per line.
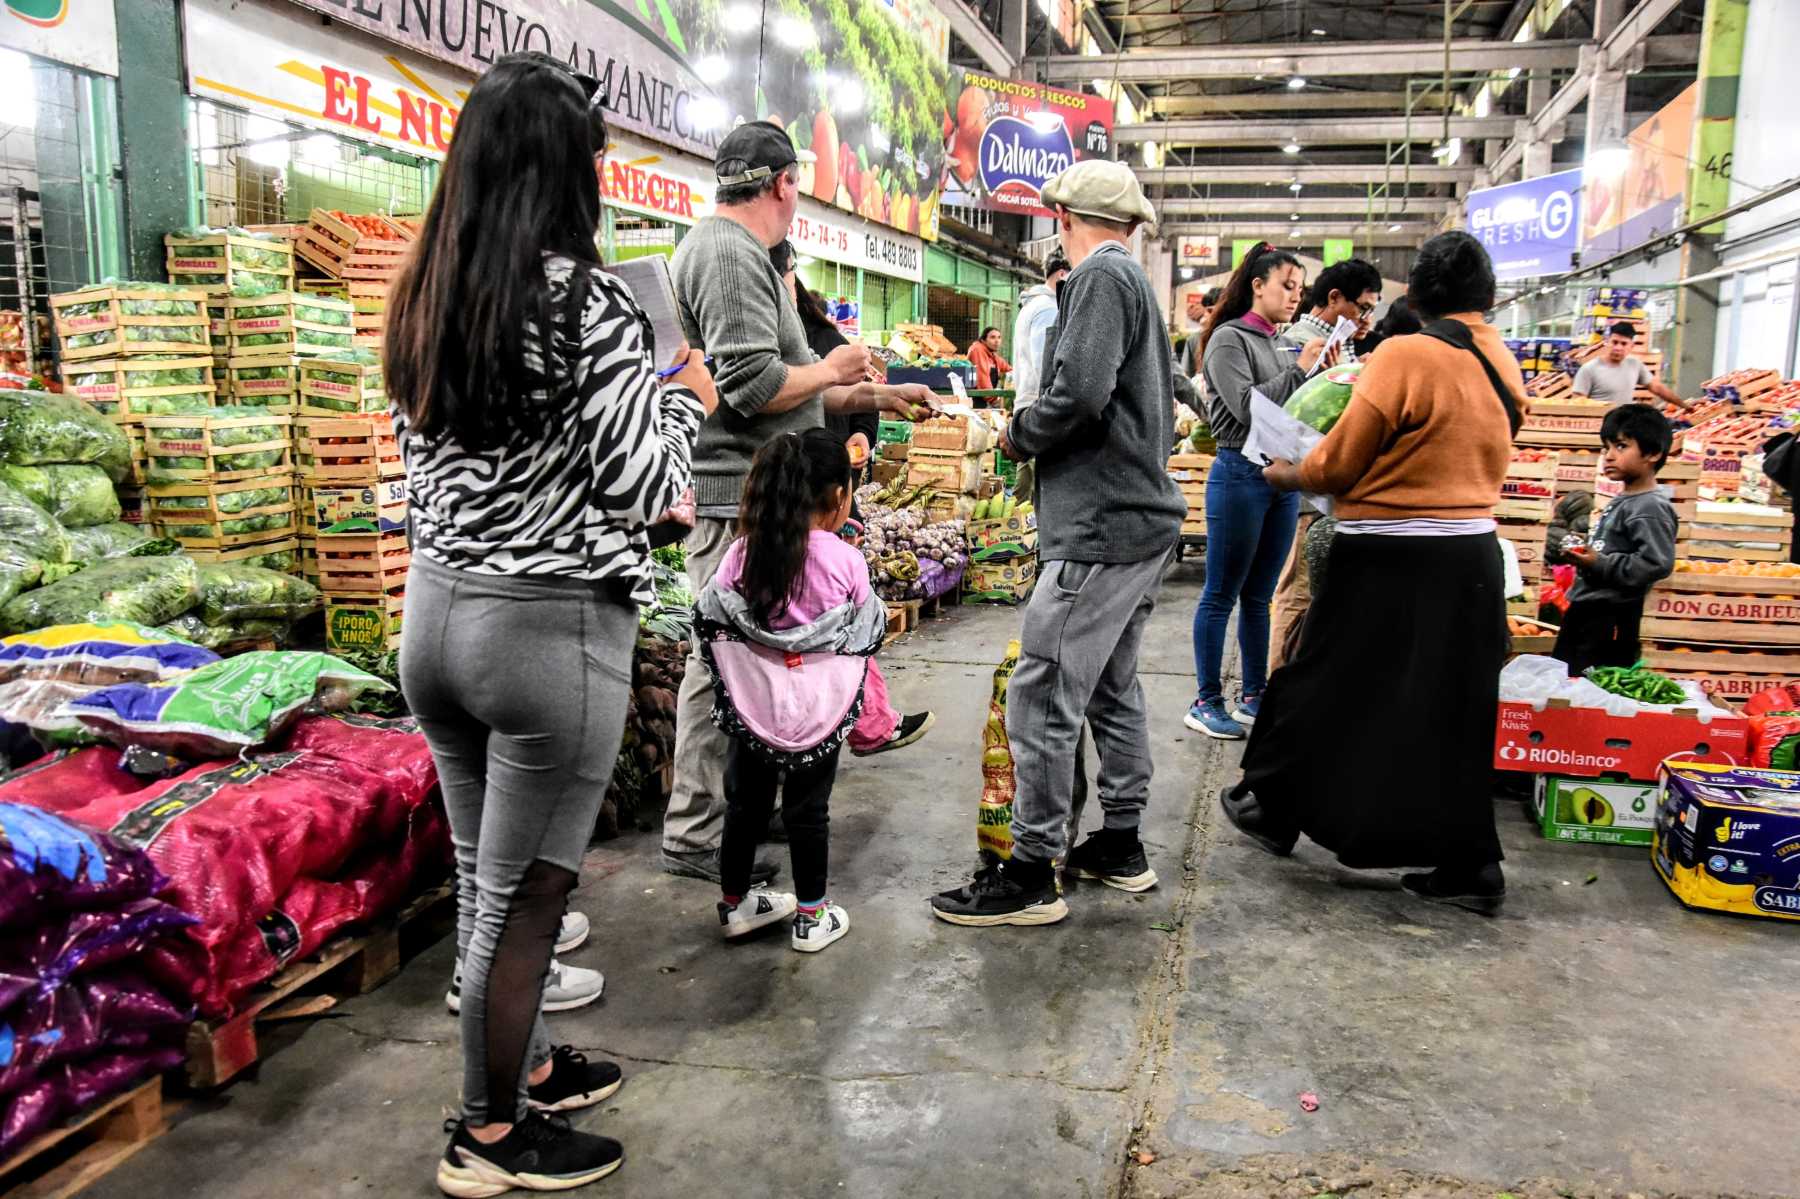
755	150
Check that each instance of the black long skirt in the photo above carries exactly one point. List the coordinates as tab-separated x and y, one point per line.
1376	740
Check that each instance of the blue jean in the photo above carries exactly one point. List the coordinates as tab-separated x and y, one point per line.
1249	531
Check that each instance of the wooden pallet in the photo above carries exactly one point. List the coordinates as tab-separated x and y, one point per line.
219	1050
101	1140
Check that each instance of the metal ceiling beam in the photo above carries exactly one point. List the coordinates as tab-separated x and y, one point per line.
1287	101
1410	233
1315	132
1370	172
1225	207
978	37
1280	60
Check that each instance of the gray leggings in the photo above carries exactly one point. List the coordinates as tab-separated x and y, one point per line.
520	687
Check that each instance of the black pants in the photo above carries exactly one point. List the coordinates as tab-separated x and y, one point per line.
1599	633
750	785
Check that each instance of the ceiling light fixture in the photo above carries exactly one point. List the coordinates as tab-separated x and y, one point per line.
1296	82
1318	33
1394	228
1291	148
1293	216
1294	186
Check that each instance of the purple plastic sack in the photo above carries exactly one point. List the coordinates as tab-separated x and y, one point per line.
70	1088
118	1009
49	865
44	958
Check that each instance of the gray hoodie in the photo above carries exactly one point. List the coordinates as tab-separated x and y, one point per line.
1635	540
1239	357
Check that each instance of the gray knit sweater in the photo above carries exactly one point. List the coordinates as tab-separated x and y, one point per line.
1239	357
736	308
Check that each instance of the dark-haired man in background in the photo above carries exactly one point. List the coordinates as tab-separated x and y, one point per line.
1616	374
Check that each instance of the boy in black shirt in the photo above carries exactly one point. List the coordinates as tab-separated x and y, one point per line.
1633	545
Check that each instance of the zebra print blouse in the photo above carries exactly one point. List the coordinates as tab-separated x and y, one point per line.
571	499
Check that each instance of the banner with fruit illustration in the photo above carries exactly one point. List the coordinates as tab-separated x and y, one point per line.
1622	207
81	33
861	83
1008	137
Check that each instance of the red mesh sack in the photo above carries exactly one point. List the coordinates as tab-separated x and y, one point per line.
64	780
1775	727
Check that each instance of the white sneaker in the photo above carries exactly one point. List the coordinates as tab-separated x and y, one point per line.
566	987
573	933
811	935
759	909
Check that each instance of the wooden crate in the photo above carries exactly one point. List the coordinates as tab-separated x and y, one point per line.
1729	532
126	390
1548	385
65	1161
1732	673
219	1050
344	252
288	315
1536	509
362	563
171	437
174	502
333	388
267	381
1539	466
365	622
212	260
953	435
113	313
347	450
284	552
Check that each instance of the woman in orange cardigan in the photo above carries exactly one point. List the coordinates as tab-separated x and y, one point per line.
1376	740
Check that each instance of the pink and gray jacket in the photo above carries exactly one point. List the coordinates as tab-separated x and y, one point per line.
792	693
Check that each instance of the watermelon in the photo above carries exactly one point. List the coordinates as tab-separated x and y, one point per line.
1322	398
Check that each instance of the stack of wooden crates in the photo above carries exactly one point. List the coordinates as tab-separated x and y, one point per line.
353	500
1528	497
225	263
363	255
221	483
136	351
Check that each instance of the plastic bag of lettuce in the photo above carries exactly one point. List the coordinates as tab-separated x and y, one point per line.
31	542
146	591
230	592
41	429
77	496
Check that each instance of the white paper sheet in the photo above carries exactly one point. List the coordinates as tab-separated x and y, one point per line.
654	290
1276	434
1343	331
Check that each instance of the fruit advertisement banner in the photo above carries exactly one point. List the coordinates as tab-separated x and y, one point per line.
1008	137
858	82
1622	207
80	33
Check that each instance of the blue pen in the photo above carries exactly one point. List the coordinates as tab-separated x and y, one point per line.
669	372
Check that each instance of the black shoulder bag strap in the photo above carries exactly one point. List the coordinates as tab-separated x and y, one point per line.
1453	332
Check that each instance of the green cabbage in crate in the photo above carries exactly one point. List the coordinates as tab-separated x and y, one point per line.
77	496
231	501
148	591
258	259
250	283
141	375
136	306
321	315
268	522
273	560
305	337
37	428
258	373
179	403
232	434
231	592
96	543
145	334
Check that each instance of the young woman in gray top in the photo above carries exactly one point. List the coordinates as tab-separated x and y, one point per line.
1249	525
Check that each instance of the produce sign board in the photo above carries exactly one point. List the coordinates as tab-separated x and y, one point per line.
1590	742
1011	136
1593	811
380	508
1728	839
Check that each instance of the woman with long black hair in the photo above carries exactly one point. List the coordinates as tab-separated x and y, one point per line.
1401	651
539	445
1249	524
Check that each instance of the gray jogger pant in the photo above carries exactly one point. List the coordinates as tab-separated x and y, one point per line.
1078	660
695	819
521	688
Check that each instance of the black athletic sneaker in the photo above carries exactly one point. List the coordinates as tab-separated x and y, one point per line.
996	896
541	1153
1114	857
1245	815
1482	892
574	1082
909	730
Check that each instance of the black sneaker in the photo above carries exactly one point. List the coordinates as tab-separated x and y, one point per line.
704	864
541	1153
1245	815
997	896
909	730
1114	857
574	1082
1482	891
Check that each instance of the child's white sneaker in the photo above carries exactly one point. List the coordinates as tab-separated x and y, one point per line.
759	909
812	935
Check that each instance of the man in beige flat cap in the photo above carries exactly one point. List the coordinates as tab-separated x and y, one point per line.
1108	521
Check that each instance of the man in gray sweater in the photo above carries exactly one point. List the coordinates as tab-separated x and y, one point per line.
735	307
1108	517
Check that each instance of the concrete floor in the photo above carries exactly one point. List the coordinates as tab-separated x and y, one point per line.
1597	1035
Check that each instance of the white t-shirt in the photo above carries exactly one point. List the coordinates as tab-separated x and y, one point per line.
1036	317
1599	379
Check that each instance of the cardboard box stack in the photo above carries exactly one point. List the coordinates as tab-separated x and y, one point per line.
1002	538
136	350
353	486
221	484
947	453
